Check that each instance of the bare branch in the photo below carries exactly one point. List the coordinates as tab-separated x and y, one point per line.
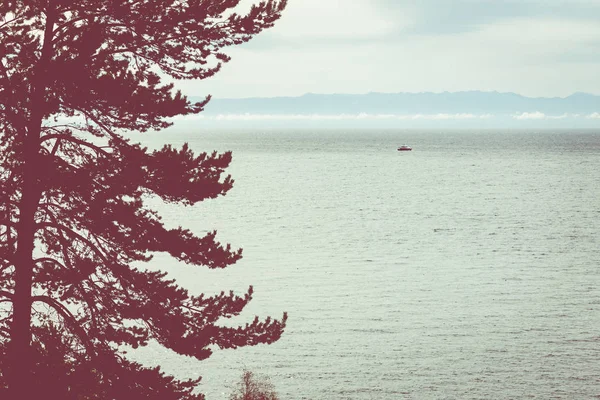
74	235
69	319
73	139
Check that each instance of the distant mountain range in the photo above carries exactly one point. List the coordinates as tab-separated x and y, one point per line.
472	108
408	103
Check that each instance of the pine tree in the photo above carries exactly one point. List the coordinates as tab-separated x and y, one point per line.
75	77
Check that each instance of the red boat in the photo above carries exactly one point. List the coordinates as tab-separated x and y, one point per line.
404	148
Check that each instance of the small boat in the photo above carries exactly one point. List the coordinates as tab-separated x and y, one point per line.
404	148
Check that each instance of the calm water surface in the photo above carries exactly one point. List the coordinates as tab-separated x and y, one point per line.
466	269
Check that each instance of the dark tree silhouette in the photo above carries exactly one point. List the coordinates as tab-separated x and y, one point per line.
252	387
75	76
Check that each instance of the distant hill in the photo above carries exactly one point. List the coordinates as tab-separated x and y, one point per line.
471	108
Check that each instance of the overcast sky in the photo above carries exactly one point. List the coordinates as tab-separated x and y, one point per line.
532	47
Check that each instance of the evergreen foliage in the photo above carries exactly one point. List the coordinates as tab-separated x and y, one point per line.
75	76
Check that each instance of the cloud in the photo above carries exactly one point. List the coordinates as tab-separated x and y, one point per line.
539	115
459	16
530	47
334	19
542	32
594	116
534	115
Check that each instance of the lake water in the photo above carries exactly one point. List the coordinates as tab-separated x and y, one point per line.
468	268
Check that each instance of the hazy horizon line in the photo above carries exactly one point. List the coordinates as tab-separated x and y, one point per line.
519	116
407	92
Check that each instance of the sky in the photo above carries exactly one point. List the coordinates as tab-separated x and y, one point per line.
537	48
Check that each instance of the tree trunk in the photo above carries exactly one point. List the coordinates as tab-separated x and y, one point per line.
21	381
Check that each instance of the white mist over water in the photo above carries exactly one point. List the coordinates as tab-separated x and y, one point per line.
465	269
